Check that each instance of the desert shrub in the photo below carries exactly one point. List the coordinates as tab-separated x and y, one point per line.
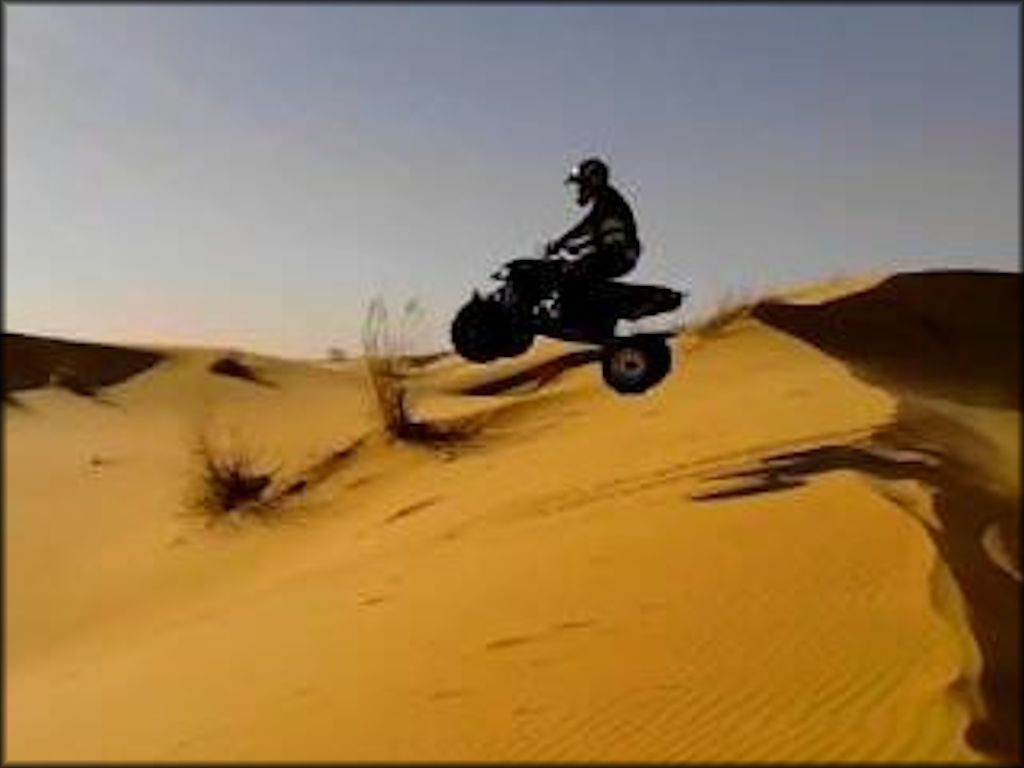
383	347
337	354
231	482
387	347
232	365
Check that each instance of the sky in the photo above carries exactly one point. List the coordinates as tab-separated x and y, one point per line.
253	175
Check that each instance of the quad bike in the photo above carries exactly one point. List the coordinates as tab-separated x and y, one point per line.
530	301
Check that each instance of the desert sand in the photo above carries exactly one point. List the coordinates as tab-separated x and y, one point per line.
801	546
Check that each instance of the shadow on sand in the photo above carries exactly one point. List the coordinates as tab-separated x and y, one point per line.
537	375
966	507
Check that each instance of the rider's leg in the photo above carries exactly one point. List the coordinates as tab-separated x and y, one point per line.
583	282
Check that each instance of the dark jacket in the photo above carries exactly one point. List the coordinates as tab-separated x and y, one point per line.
609	224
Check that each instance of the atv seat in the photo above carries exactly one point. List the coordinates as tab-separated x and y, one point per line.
629	301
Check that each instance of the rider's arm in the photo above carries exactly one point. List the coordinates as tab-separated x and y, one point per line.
583	228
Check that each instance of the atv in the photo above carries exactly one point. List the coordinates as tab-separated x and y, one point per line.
532	300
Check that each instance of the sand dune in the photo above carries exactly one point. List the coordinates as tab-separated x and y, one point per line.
34	362
948	345
800	547
951	334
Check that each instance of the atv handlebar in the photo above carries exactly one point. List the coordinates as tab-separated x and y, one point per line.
571	249
556	261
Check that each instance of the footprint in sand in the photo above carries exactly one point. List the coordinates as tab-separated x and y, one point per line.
411	509
516	640
510	642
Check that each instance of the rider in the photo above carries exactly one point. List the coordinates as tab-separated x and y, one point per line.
606	238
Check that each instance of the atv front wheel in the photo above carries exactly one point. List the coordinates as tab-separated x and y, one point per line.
632	366
482	331
516	343
473	331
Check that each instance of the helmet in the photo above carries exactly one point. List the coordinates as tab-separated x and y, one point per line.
588	176
593	170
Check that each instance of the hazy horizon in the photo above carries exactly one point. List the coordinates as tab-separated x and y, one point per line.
252	176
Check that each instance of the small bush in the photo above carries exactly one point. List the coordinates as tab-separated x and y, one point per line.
387	350
230	482
231	365
384	348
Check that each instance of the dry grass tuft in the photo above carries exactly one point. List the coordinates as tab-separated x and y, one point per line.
232	365
232	482
235	484
387	347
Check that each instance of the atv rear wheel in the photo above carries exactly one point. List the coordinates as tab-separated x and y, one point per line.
632	366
